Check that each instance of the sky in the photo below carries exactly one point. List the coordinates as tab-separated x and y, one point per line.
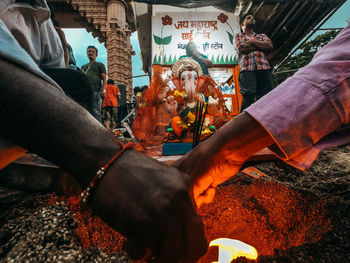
80	39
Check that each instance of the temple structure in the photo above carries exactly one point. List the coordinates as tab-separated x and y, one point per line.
111	22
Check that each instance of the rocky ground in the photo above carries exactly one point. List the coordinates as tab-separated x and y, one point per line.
306	219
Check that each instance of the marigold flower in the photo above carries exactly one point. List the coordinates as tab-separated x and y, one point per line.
177	93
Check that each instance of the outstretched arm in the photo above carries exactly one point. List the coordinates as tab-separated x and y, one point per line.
145	200
206	61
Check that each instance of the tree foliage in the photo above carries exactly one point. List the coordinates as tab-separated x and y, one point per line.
303	55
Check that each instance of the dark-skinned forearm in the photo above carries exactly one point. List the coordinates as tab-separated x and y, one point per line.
207	62
241	137
247	49
262	45
37	116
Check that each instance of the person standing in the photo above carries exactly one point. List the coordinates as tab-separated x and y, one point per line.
96	72
110	105
255	77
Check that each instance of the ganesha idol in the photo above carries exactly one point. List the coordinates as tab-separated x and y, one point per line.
183	103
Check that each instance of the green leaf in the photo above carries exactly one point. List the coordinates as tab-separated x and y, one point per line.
158	40
166	40
230	36
162	41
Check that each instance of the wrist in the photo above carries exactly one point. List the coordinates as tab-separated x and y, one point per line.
100	173
239	139
91	157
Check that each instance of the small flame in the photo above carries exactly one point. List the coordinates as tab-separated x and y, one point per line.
230	249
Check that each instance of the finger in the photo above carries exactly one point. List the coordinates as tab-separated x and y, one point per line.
134	249
201	185
195	245
143	246
206	197
172	243
203	190
183	238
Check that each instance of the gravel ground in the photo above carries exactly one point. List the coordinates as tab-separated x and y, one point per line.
32	230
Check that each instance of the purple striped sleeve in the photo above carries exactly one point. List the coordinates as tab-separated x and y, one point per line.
311	110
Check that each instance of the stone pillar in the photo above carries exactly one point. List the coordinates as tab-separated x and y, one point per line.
119	49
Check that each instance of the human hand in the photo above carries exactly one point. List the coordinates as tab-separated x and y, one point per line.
248	43
149	203
196	53
64	45
207	170
61	35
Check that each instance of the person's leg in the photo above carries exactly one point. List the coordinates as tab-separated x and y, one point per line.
264	83
96	106
122	112
114	118
247	85
74	83
104	117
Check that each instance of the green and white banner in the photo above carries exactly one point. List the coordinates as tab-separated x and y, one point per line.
213	33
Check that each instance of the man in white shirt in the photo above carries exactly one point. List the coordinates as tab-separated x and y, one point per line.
30	24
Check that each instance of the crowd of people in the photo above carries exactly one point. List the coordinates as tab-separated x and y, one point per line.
151	203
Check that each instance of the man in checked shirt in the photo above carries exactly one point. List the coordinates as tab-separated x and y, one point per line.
255	77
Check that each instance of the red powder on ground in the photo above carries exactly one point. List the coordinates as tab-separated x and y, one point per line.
91	230
263	214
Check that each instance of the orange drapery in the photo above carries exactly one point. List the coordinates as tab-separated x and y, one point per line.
237	101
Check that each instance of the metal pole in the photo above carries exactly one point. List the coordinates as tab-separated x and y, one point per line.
308	37
138	76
